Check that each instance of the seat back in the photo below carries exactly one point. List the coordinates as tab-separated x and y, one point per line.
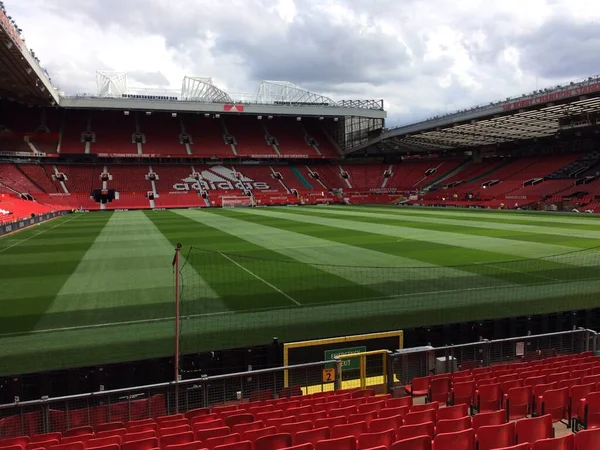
518	402
494	436
312	436
453	412
213	442
382	438
415	443
592	410
420	417
489	418
385	423
566	442
419	429
588	439
350	429
463	440
533	429
489	397
453	425
273	441
342	443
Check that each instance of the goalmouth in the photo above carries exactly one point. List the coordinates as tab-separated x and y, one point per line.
237	201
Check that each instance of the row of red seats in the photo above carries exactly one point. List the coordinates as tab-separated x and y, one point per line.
535	433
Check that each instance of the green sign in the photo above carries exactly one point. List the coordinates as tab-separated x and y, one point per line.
347	364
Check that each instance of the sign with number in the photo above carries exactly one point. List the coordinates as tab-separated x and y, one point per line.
328	375
347	364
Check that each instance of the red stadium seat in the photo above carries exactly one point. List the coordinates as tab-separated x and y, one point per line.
518	402
78	431
206	433
194	445
252	435
588	439
381	438
566	442
80	438
241	445
453	412
453	425
312	436
69	446
493	436
295	427
144	444
399	401
533	429
273	442
591	417
385	423
415	443
101	442
489	397
463	440
176	439
420	429
418	386
343	443
109	426
243	427
216	441
439	390
351	429
46	437
130	437
420	417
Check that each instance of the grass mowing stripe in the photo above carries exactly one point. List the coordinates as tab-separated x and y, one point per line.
62	222
423	232
504	215
29	289
239	289
261	279
461	273
100	289
568	222
581	234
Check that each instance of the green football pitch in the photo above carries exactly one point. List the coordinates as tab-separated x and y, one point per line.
98	288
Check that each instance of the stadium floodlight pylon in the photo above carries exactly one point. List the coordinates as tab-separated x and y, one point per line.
111	84
202	89
270	92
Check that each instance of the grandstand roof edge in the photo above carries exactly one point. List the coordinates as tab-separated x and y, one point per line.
218	108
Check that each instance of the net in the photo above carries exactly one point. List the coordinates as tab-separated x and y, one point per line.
236	201
234	300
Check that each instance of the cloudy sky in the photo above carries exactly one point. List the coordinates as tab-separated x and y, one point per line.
423	57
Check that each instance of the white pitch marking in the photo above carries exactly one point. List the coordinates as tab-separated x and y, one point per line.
275	288
37	234
520	271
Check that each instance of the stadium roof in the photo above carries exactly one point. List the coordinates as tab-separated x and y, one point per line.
21	76
543	113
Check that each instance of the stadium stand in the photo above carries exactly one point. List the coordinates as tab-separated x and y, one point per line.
358	418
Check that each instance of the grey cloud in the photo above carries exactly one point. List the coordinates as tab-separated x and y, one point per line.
149	78
562	50
315	52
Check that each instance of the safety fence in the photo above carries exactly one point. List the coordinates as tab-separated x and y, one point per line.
381	370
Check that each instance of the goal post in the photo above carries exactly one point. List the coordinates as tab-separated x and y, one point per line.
236	201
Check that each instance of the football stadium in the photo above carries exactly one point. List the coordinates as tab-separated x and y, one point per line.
189	270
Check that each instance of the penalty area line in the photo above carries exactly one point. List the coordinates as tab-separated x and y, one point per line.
275	288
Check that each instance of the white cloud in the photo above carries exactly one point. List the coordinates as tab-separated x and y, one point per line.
422	57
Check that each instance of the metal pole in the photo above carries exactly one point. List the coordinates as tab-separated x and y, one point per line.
176	365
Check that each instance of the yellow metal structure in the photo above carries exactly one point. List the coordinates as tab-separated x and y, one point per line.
333	341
